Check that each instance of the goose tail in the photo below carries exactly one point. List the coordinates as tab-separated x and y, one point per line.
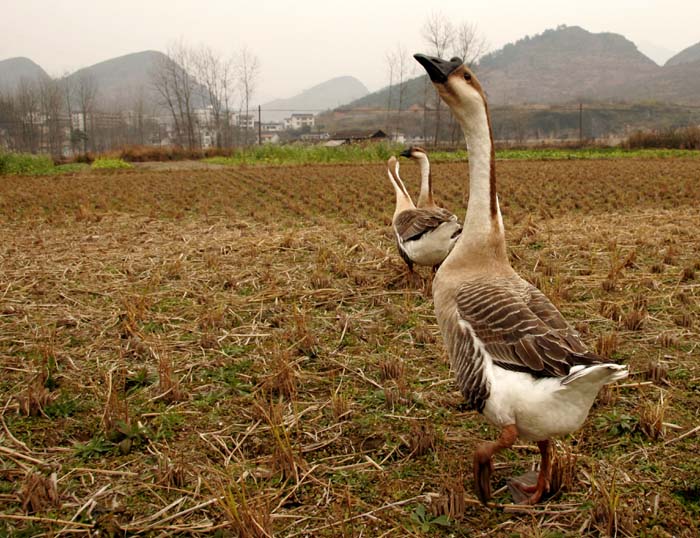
596	374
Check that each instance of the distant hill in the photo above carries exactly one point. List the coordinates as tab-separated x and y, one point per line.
13	70
120	81
567	65
678	84
689	55
563	65
329	94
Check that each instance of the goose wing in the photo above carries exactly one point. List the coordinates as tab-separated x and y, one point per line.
413	223
520	328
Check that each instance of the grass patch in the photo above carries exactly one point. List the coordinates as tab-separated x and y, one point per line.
297	154
27	164
24	163
380	152
71	168
110	164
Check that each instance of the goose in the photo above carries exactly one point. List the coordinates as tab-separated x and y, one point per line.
515	358
425	198
424	236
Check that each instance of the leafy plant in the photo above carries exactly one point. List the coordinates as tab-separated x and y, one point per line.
167	423
95	447
141	378
617	424
127	436
425	522
62	406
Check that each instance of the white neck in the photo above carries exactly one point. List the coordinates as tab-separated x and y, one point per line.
403	199
479	218
426	189
482	242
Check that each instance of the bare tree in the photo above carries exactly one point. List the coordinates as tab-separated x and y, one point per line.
403	65
176	87
9	121
391	65
51	103
215	74
85	93
248	71
468	43
28	113
439	34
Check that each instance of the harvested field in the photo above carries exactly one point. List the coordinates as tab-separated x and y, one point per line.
240	351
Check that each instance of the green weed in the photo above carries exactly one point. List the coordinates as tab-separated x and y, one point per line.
423	521
63	406
24	163
95	447
110	164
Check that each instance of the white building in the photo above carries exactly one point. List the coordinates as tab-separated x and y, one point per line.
272	126
244	121
270	138
77	121
204	116
297	121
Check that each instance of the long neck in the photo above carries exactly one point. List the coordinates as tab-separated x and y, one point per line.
483	223
403	199
425	199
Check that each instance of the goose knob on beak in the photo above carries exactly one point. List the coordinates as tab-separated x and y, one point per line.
438	69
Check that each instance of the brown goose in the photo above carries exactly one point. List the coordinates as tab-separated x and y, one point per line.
425	198
515	358
424	236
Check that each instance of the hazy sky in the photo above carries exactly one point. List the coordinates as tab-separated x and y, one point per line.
300	43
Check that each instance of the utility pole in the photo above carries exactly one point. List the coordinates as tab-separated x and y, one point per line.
259	126
580	124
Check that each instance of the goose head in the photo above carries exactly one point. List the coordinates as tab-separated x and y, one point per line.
414	152
456	84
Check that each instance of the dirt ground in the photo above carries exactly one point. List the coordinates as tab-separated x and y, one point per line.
241	352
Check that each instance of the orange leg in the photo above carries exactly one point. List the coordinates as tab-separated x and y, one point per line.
483	461
532	494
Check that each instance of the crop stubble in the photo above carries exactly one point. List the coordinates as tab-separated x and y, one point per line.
242	349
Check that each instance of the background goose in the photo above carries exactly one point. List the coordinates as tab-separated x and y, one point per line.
424	236
515	358
425	198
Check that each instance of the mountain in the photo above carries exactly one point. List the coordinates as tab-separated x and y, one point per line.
13	70
567	65
563	65
121	80
329	94
691	54
678	84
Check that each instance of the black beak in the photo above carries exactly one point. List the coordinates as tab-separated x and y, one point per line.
437	68
406	153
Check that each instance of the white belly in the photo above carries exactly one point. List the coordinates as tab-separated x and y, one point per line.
540	408
432	247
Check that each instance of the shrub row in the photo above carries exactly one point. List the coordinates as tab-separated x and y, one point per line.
683	138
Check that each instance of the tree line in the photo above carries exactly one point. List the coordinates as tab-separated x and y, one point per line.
193	93
444	39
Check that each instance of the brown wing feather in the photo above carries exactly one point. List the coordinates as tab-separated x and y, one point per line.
467	363
413	223
520	328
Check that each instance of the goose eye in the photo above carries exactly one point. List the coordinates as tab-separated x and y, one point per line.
467	77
